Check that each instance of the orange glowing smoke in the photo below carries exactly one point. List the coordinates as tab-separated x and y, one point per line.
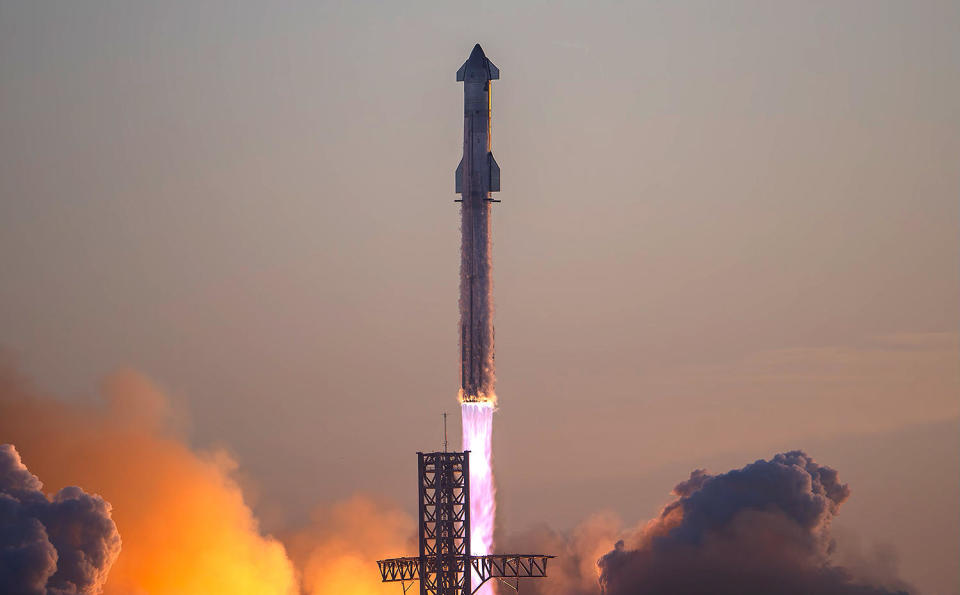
185	527
337	552
183	521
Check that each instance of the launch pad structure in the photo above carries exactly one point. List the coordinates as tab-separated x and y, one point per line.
444	565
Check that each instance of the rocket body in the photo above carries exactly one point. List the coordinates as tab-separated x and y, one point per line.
477	176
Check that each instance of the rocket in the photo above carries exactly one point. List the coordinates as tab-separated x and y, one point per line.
477	176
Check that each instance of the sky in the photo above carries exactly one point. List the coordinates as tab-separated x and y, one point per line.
727	230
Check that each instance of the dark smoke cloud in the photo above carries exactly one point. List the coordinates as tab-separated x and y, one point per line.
760	530
64	545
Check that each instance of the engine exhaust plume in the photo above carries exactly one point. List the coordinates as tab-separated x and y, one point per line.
477	418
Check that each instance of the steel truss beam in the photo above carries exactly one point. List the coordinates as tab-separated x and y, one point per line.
399	569
509	566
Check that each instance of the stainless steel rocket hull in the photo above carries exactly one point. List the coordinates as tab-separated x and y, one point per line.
477	176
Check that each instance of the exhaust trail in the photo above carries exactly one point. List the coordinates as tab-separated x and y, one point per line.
477	432
477	176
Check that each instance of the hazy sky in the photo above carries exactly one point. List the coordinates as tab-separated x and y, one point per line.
727	229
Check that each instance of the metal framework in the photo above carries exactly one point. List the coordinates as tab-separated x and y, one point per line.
444	565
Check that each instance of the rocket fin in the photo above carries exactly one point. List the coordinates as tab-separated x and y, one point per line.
494	173
458	184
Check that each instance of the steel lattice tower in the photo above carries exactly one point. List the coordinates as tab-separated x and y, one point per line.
444	522
444	564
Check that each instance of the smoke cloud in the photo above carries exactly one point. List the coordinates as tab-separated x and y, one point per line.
185	525
761	529
51	546
336	552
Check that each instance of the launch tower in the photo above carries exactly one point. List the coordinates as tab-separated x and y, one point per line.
445	566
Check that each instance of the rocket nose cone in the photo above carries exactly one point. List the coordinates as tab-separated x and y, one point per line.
477	67
477	57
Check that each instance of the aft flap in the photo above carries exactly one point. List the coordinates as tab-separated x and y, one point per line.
494	173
